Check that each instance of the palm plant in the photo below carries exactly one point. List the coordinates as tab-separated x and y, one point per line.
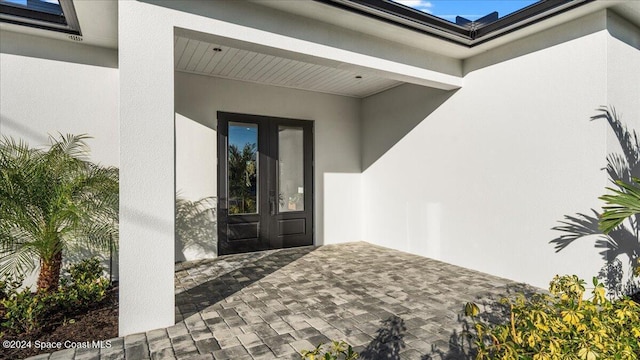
243	178
623	204
612	234
50	199
623	170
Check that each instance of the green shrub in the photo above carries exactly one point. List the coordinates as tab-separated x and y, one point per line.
337	351
84	285
562	326
9	286
24	311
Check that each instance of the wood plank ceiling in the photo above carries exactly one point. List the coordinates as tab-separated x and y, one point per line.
199	57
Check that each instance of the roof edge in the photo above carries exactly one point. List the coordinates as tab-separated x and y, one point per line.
470	35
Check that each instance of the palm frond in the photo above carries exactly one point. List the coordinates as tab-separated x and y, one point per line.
622	204
18	262
71	145
96	236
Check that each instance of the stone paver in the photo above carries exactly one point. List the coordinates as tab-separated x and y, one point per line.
273	304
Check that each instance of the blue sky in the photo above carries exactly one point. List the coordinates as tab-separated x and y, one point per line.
470	9
240	135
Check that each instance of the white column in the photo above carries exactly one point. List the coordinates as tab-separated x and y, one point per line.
147	174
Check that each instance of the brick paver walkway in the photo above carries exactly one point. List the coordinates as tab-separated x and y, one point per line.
273	304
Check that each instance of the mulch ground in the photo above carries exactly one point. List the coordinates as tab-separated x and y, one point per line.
97	323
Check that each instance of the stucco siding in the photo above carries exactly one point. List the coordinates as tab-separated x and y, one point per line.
623	69
482	179
623	94
51	86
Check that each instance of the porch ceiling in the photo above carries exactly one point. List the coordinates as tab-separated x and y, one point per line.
219	60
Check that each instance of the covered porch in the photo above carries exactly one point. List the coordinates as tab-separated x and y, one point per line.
406	156
209	59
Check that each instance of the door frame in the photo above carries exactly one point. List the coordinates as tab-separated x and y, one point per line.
266	165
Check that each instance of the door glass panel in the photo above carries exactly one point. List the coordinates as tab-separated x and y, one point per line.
243	168
291	169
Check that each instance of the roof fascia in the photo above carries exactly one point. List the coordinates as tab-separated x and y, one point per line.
470	35
406	17
525	17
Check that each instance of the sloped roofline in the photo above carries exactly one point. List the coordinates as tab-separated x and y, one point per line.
469	35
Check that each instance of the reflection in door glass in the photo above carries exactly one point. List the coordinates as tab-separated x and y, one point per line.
243	168
291	168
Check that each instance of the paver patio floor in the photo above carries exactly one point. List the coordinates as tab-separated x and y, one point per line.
270	305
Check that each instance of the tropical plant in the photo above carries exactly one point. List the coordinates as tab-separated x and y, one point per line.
242	179
338	350
9	285
612	234
623	204
23	311
84	284
50	199
561	326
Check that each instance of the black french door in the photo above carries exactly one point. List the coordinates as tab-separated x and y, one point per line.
265	183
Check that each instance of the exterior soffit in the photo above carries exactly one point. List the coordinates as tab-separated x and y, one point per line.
216	56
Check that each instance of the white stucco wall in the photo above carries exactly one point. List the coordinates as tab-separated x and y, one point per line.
623	69
487	173
336	142
50	86
623	93
195	190
343	217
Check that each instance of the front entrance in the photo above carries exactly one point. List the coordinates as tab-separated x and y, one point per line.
265	183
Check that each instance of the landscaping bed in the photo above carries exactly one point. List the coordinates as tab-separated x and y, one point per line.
98	322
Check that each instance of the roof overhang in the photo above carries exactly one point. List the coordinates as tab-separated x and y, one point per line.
51	19
392	30
96	21
99	23
469	35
